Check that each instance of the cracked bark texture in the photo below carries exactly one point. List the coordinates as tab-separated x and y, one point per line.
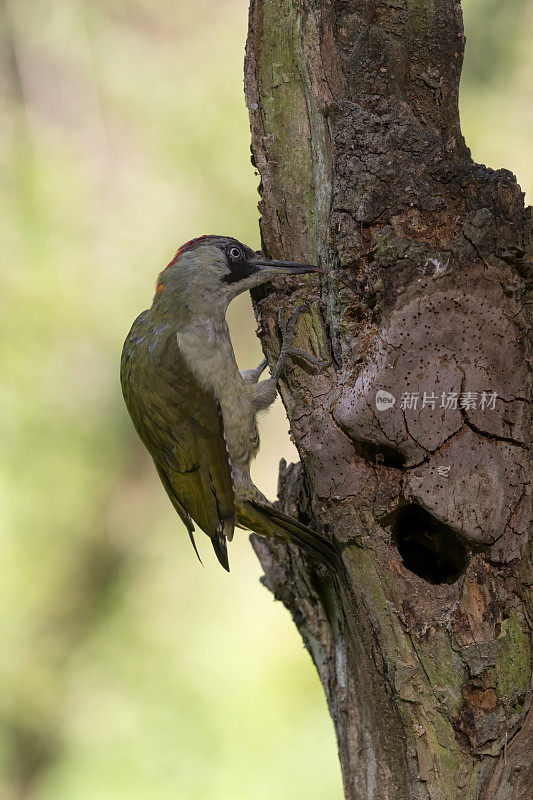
356	135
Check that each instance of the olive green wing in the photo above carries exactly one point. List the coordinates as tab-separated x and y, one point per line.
181	426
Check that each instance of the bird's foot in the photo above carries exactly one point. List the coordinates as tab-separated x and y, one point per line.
288	330
251	376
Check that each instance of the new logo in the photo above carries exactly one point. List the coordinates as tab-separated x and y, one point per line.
384	400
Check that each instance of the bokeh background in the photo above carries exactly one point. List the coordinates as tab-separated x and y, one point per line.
127	670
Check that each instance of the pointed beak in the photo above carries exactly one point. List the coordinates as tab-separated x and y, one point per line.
285	267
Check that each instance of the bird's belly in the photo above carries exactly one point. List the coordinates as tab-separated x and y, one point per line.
240	427
238	415
218	372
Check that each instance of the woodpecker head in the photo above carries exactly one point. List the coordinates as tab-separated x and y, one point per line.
212	270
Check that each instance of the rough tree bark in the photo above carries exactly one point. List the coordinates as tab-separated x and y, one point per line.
356	135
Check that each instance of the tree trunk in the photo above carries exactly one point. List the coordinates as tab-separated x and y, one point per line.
355	126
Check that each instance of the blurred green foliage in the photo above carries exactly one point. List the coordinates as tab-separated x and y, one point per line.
496	98
127	670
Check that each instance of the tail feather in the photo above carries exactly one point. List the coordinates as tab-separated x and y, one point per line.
218	540
268	521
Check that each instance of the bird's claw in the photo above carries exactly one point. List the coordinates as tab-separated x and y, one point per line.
251	376
288	330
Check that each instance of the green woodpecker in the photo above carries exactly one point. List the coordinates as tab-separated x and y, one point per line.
192	408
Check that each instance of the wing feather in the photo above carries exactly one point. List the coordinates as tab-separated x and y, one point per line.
181	426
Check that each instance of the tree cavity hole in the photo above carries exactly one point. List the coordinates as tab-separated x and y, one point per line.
428	547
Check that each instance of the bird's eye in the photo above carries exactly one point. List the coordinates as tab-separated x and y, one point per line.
235	253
